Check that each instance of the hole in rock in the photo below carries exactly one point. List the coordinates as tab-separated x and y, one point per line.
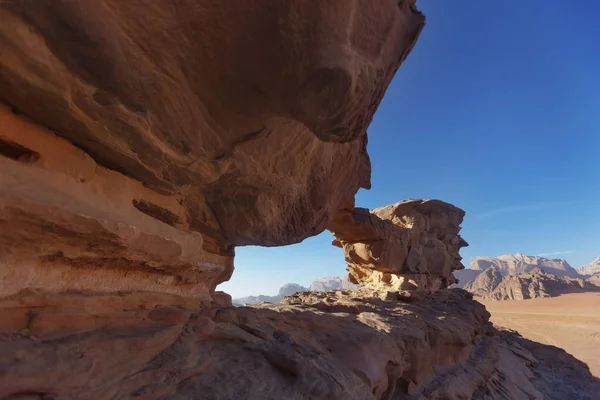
17	152
268	273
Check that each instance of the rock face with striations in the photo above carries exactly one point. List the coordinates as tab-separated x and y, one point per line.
412	244
141	141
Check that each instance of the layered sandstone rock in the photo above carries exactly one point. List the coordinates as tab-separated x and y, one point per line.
205	101
140	142
412	244
340	345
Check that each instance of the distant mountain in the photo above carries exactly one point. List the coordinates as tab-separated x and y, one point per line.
594	279
532	285
286	290
331	283
521	263
318	285
590	269
485	282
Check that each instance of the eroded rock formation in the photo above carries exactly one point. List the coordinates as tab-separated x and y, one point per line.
411	244
141	141
355	345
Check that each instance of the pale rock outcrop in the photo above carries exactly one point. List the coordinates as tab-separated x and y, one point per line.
204	101
590	269
521	263
331	283
412	244
490	284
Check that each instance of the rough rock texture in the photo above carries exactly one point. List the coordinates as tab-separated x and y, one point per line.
410	244
520	263
341	345
331	283
141	141
204	101
590	269
490	284
286	290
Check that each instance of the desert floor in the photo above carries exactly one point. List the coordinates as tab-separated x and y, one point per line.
571	321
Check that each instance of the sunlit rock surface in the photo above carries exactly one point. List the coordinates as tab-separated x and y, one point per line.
412	244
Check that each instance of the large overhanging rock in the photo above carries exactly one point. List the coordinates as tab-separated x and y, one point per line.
141	141
250	114
413	244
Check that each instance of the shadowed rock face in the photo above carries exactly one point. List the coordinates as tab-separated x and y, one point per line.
205	101
140	142
411	244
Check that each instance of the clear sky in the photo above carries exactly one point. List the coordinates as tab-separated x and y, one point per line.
497	111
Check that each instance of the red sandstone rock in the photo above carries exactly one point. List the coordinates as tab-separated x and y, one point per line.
410	244
205	101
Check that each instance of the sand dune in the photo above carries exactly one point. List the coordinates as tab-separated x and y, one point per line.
570	321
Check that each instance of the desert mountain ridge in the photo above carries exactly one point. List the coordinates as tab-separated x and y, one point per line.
537	283
591	268
519	276
318	285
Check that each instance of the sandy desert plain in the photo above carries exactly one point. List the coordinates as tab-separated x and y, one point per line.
570	321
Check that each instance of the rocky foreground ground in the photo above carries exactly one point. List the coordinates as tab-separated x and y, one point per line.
360	344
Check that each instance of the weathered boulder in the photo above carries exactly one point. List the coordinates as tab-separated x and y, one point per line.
410	244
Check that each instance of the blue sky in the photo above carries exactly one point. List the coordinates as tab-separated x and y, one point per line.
497	111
